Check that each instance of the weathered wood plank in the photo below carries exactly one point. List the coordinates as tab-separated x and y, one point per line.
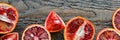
99	12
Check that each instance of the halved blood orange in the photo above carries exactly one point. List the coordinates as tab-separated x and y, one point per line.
8	18
79	28
108	34
54	23
36	32
116	19
10	36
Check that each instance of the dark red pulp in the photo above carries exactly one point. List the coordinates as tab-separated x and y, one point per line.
117	20
54	22
75	24
10	37
37	33
10	14
109	35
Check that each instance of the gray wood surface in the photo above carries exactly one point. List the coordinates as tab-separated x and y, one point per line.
99	12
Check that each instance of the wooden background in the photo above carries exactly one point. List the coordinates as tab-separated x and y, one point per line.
99	12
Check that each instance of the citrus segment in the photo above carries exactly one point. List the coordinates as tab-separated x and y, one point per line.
108	34
79	28
10	36
53	22
36	32
116	19
8	18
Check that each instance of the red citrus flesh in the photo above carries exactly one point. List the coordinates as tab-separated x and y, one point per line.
10	36
116	19
79	28
54	23
36	32
108	34
8	18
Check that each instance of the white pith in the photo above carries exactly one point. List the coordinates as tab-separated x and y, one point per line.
80	32
31	35
36	38
56	21
5	18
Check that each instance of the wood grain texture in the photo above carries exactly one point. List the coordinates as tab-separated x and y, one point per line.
99	12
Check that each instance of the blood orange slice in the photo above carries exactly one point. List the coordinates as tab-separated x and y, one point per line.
8	18
10	36
79	28
54	23
108	34
116	19
36	32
